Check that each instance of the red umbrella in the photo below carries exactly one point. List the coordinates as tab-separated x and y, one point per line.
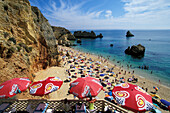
132	97
13	86
85	87
46	86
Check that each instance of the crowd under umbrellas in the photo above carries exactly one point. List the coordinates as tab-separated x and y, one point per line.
80	65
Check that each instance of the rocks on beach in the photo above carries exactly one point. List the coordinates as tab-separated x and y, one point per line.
85	34
129	34
136	51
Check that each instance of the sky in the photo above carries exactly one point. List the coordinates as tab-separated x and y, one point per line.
106	14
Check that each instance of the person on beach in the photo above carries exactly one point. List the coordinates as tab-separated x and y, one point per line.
66	106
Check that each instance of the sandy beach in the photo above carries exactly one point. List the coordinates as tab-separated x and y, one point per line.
90	60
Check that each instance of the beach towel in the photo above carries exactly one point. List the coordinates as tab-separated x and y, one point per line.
166	103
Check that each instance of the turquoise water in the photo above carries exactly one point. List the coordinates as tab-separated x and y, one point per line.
157	54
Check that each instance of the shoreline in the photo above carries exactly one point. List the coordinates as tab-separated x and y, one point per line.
150	84
153	77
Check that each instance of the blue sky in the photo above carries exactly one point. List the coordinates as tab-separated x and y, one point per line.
106	14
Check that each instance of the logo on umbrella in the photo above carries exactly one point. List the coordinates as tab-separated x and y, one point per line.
1	86
125	85
74	84
24	79
140	101
86	91
121	96
55	79
141	90
34	88
14	89
50	88
2	96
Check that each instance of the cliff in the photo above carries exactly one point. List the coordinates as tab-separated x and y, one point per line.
63	36
27	41
85	34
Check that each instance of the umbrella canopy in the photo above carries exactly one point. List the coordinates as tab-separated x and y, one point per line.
132	97
46	86
102	75
85	87
13	86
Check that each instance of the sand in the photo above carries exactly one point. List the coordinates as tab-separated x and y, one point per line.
163	92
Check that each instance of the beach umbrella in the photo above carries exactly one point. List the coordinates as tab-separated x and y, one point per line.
12	87
85	87
46	86
75	57
71	60
93	74
156	88
112	72
165	102
64	57
102	75
132	97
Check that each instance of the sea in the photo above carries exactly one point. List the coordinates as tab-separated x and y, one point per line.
157	51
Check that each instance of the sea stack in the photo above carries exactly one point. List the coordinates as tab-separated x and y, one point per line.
85	34
136	51
129	34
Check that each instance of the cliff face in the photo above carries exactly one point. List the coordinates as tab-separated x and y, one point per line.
63	36
27	41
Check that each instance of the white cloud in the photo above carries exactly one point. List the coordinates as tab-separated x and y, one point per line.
108	14
139	14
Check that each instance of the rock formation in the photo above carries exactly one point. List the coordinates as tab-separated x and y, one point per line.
136	51
100	35
85	34
27	41
78	41
129	34
63	36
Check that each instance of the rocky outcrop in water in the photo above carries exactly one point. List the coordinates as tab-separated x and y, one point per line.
129	34
85	34
63	36
100	36
27	41
78	40
136	51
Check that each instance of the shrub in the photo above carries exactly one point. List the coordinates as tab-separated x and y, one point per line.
6	34
27	49
10	52
12	39
22	44
30	49
26	54
18	48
